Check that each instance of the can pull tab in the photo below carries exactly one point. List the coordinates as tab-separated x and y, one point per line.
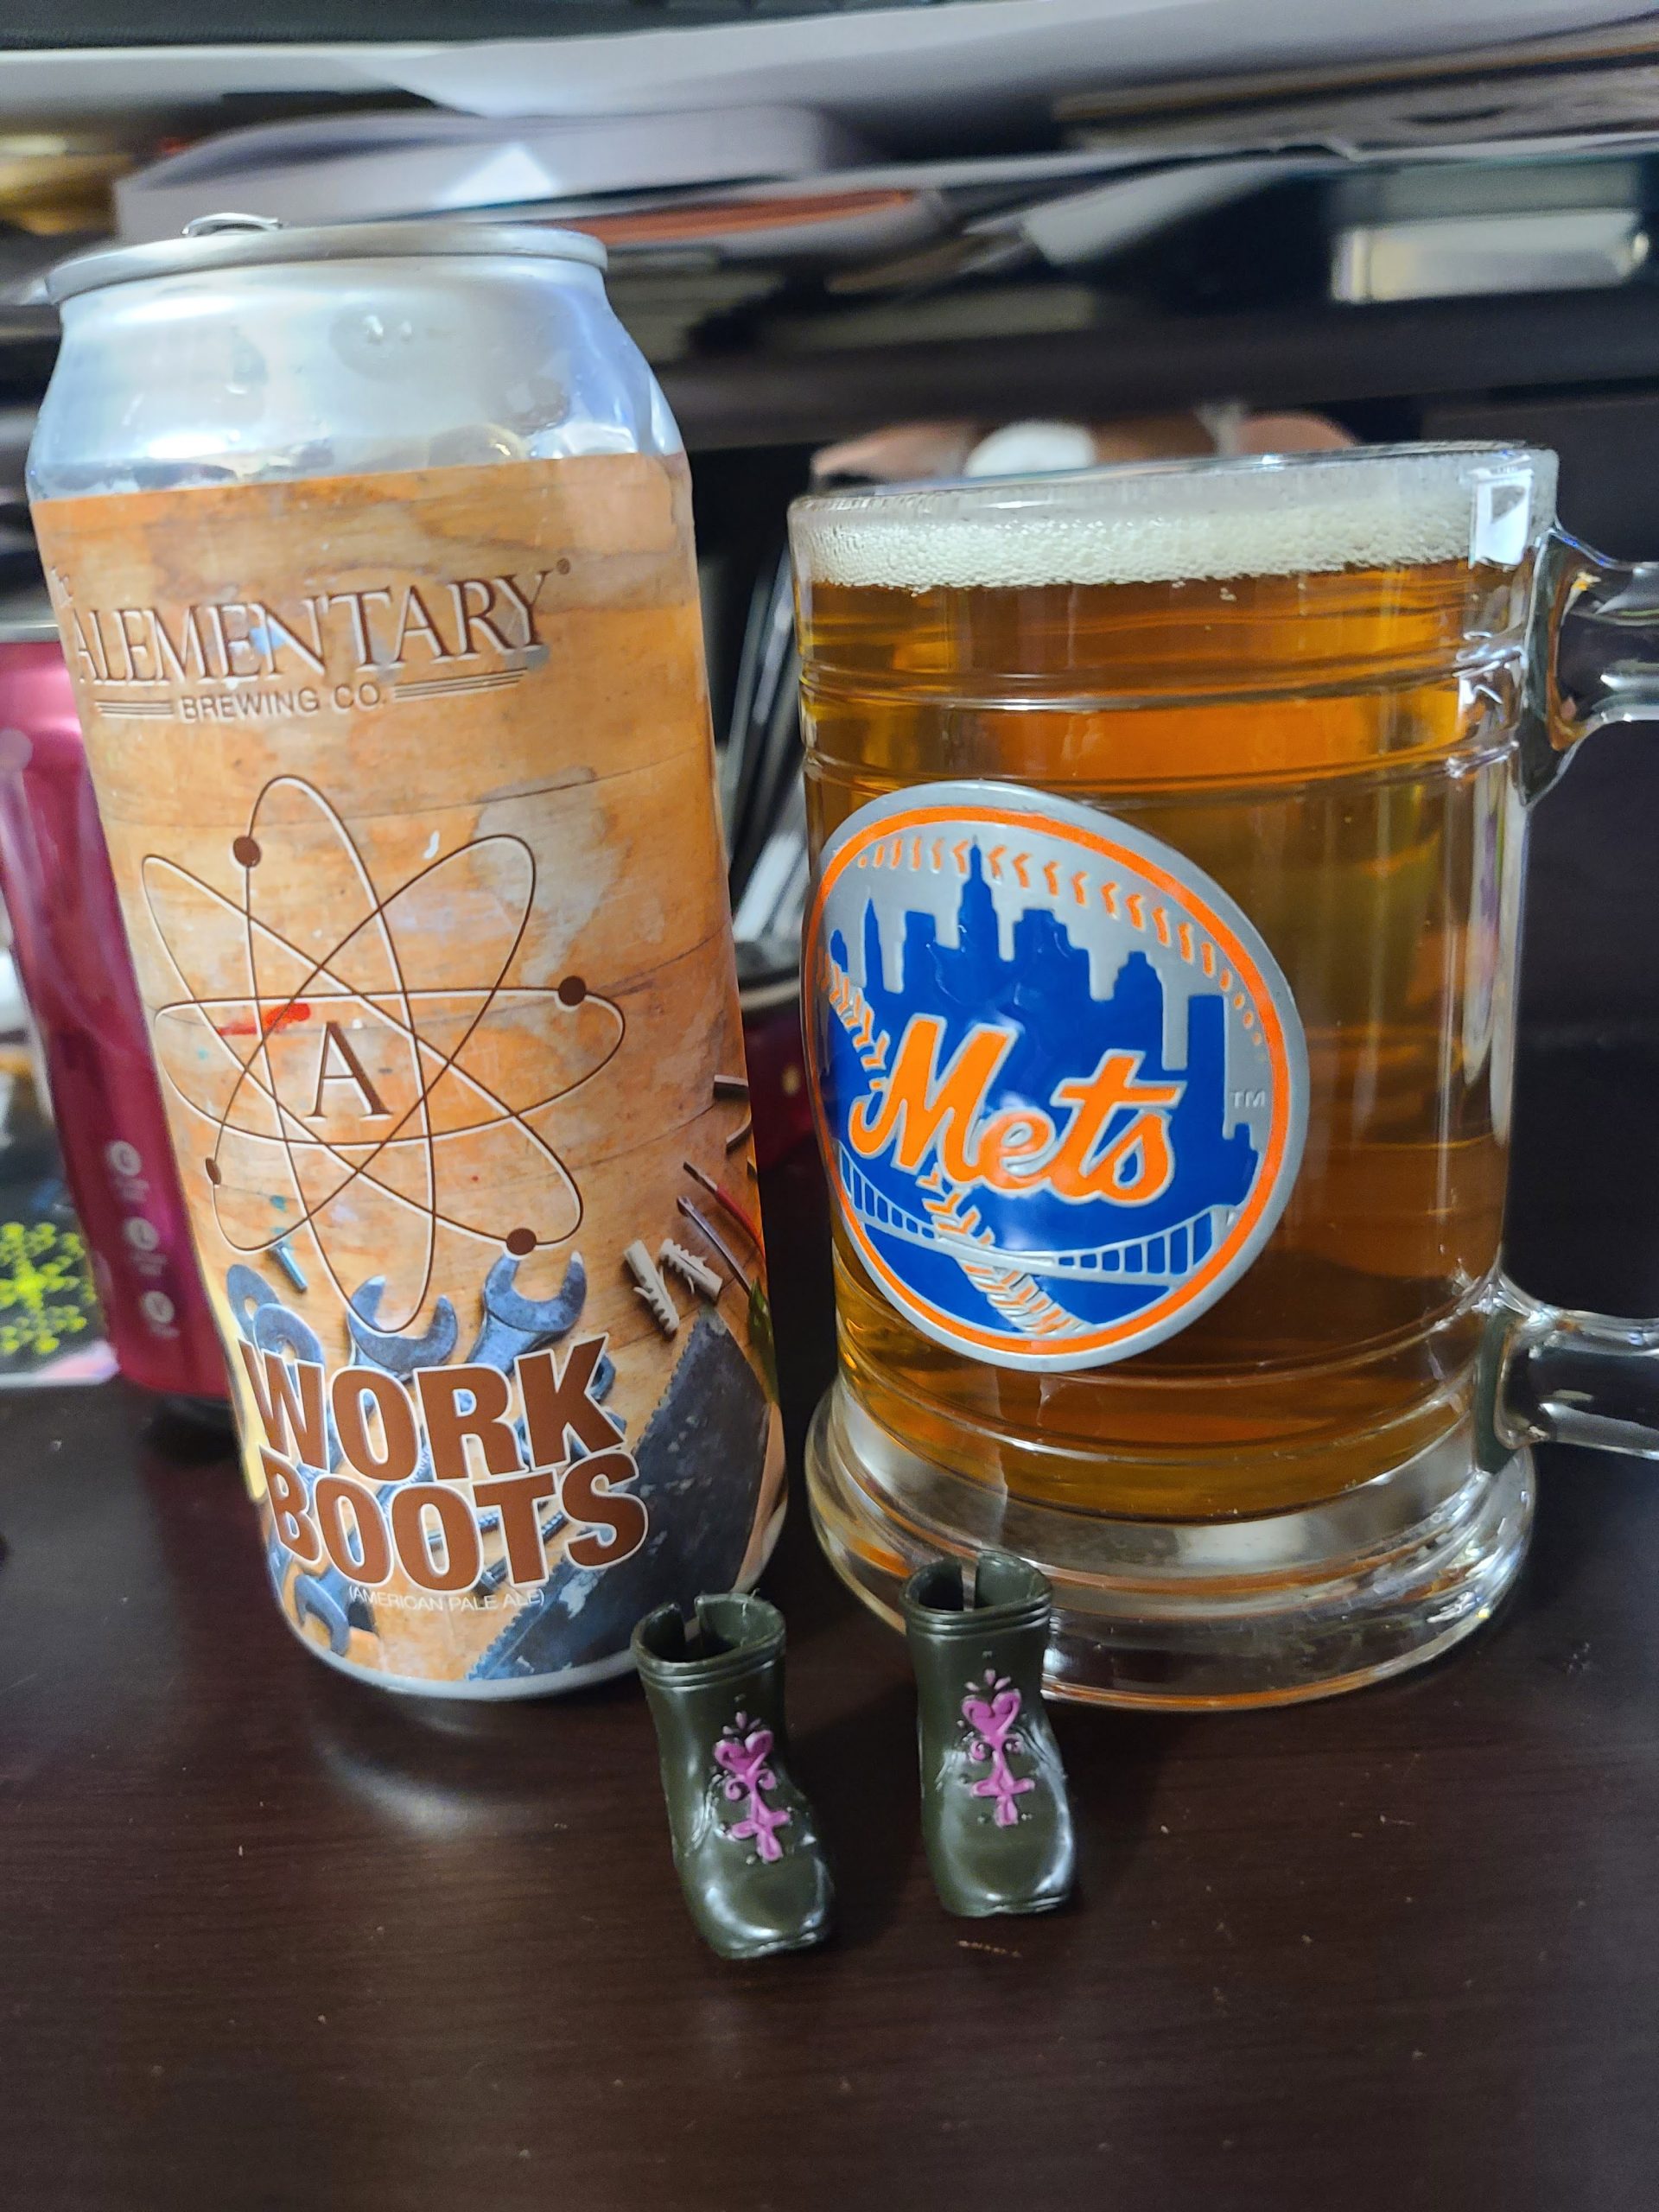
204	226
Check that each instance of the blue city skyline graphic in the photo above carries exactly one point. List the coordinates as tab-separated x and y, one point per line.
1042	994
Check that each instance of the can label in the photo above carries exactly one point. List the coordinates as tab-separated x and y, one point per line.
407	783
1061	1081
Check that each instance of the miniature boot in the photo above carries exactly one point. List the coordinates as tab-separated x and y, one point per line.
745	1842
995	1812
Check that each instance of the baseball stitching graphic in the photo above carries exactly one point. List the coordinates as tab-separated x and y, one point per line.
1055	1066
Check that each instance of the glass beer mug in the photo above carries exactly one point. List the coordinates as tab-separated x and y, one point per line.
1159	981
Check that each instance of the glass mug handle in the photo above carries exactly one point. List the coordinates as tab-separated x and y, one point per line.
1552	1376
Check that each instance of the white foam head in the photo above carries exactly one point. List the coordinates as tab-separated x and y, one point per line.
1385	506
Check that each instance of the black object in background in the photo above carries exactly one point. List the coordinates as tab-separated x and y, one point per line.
333	23
1587	962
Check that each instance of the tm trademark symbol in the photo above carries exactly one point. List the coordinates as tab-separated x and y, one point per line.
1246	1099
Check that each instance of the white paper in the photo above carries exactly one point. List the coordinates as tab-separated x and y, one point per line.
965	60
982	55
329	169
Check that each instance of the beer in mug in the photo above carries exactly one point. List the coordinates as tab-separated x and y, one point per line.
1160	987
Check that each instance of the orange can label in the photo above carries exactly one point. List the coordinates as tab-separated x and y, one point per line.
407	783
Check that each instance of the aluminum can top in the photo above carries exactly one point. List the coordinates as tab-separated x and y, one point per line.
214	243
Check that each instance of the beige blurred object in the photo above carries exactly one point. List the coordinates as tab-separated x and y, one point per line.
903	451
1293	433
908	452
1225	429
51	182
1038	448
1153	438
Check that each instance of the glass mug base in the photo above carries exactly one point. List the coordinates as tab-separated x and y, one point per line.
1191	1616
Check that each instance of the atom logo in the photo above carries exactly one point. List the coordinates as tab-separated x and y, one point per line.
358	1064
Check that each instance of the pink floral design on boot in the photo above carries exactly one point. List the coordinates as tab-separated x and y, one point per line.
990	1712
742	1759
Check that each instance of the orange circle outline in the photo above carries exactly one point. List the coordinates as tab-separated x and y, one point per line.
1244	966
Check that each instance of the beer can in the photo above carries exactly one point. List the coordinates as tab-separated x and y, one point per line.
71	952
370	550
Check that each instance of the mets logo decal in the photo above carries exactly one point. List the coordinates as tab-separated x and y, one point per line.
1061	1085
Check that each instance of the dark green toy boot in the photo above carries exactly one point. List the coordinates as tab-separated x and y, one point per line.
995	1812
745	1842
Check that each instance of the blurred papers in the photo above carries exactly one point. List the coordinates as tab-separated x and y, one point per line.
770	222
1551	94
359	166
962	59
889	66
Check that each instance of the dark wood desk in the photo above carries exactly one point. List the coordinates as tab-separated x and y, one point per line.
267	1939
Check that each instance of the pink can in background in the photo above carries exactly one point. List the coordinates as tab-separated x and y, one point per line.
72	954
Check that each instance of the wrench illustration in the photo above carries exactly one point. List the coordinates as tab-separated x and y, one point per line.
399	1355
512	1325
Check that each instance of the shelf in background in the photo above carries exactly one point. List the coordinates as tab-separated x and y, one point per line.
1278	357
1302	356
29	346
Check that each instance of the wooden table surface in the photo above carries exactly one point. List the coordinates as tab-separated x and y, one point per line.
269	1939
